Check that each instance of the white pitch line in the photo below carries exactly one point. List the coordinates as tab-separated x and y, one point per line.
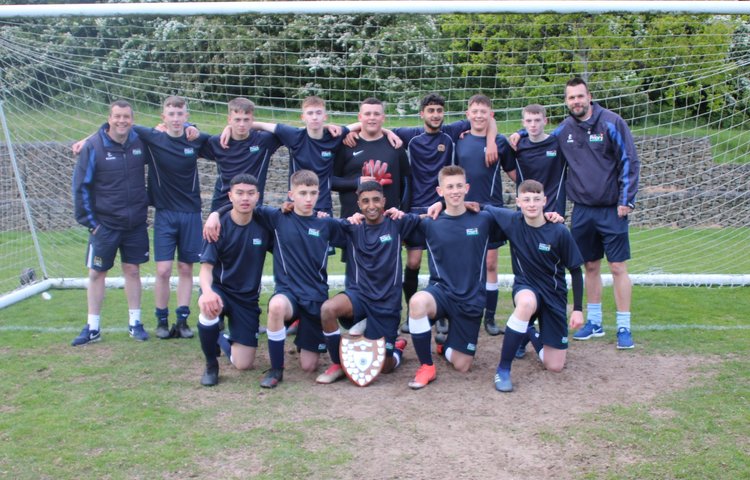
26	328
635	328
644	328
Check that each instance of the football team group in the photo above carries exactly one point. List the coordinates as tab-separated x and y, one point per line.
436	187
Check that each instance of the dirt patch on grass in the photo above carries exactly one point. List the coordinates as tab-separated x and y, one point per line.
459	426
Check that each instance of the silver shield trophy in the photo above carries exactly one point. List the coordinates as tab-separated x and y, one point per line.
362	359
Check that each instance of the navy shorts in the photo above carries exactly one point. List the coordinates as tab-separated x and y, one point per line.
104	244
493	245
553	319
177	230
382	321
310	333
416	211
598	231
465	319
243	315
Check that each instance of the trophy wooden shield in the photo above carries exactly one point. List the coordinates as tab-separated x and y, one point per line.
362	359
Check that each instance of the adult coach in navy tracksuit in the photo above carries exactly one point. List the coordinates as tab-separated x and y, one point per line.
602	183
109	192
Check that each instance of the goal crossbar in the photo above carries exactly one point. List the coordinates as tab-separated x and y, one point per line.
370	7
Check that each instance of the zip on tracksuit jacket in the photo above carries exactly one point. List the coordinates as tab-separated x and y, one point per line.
603	166
109	186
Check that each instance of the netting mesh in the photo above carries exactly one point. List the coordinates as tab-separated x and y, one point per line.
681	81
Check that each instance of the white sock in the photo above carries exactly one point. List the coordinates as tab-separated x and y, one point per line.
448	353
419	325
134	316
277	336
93	321
516	324
208	322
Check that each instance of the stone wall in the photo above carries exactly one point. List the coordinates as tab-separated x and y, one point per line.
680	185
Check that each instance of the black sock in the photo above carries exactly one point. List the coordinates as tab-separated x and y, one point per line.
209	336
411	282
422	346
535	339
333	342
162	314
182	313
511	341
490	305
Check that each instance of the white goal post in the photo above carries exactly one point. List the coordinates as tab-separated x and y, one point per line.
678	72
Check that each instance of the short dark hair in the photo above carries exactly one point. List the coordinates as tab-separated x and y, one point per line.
371	101
369	186
575	81
432	99
530	186
304	177
245	178
120	104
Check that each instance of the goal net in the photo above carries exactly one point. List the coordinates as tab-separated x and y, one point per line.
680	80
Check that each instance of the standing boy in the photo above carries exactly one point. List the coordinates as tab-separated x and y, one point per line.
230	279
356	165
248	151
311	148
539	251
109	193
539	158
486	184
430	148
373	281
175	193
